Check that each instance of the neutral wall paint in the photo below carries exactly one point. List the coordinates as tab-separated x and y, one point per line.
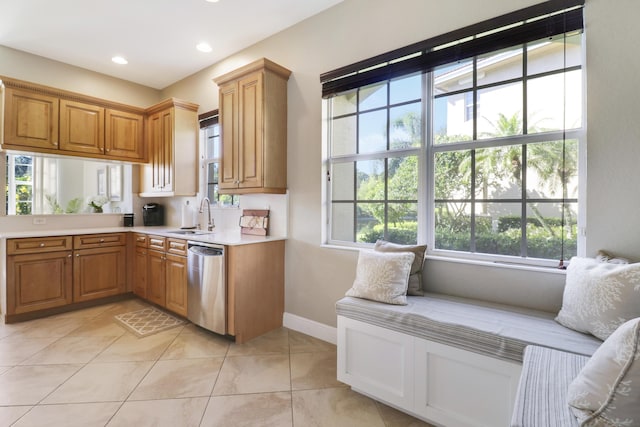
36	69
316	276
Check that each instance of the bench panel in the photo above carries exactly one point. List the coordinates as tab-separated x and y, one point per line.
376	360
459	388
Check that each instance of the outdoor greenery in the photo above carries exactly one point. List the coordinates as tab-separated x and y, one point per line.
493	170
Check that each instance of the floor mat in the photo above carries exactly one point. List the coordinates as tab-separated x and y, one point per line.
148	321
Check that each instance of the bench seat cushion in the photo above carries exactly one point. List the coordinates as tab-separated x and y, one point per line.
495	330
542	393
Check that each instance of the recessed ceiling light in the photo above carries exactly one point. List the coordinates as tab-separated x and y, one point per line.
119	60
204	47
212	1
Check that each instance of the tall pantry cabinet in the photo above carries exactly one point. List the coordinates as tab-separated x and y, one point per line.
253	128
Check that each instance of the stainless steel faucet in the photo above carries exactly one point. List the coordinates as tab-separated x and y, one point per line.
210	225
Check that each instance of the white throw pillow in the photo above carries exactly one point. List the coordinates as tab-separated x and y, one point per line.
382	276
599	296
415	277
606	392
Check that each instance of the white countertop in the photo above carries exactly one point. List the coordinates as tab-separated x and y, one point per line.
228	238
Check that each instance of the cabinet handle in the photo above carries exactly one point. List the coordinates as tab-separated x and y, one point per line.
69	256
42	245
101	240
77	255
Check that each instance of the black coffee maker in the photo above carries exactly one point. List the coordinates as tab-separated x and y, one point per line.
153	214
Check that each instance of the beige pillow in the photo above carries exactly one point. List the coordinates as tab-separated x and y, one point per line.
415	279
599	296
382	277
607	390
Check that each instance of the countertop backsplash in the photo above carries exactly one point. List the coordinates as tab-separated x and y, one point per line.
226	218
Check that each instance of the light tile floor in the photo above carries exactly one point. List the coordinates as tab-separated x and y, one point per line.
83	369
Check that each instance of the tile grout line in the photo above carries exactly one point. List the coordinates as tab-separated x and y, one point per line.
155	362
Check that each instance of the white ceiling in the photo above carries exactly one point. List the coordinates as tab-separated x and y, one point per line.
157	37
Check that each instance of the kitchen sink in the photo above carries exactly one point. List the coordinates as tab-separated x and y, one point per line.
188	232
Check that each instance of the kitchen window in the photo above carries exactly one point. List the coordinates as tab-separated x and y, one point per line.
210	131
468	141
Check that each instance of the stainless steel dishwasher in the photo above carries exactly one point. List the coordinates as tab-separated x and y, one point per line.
207	291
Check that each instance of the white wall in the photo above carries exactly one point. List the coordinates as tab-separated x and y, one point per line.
36	69
316	277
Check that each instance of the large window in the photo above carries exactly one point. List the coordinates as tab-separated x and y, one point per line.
475	154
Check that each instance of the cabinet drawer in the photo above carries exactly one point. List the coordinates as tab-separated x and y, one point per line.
86	241
157	242
177	246
142	240
33	245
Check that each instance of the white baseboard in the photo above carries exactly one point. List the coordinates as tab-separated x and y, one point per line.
310	327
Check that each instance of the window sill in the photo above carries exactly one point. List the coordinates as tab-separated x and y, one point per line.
509	264
513	265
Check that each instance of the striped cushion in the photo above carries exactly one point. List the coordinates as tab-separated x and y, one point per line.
494	330
542	393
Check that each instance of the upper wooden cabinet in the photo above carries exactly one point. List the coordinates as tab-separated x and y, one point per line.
81	127
31	119
124	135
253	128
48	120
172	141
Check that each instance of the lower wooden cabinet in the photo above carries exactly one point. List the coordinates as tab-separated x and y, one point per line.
176	284
140	272
49	272
160	272
39	281
156	285
99	273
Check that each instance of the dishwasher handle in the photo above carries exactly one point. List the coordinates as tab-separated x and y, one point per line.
206	251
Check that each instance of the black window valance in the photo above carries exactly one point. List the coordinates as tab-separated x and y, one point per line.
526	25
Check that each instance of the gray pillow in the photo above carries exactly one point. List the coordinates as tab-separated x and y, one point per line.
599	296
607	390
382	277
415	279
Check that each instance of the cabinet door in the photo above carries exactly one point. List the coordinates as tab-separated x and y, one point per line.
176	276
124	135
228	174
251	131
81	127
31	120
140	272
158	174
156	288
38	281
99	272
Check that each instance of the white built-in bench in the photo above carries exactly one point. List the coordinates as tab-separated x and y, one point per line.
451	361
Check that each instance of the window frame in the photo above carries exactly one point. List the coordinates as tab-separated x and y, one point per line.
208	121
363	71
385	155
